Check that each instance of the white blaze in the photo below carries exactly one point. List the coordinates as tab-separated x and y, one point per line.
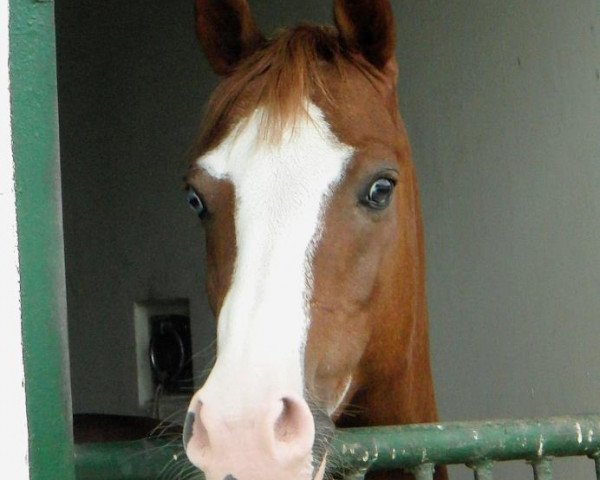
281	192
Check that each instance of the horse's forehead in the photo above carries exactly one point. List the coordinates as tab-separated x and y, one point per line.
306	148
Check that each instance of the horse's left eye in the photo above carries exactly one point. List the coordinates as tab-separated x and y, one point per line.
195	202
380	193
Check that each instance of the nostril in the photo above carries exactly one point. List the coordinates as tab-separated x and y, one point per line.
188	428
286	424
195	435
294	428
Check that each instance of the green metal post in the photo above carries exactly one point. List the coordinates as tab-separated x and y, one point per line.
542	469
357	475
39	227
424	472
596	458
483	470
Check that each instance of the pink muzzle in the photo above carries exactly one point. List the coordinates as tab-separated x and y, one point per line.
269	441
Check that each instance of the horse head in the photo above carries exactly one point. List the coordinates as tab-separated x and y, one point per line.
304	184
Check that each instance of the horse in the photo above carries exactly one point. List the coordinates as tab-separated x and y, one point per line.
303	181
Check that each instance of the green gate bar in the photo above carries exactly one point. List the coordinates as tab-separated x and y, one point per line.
415	448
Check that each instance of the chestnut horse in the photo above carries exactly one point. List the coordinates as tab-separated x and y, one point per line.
303	180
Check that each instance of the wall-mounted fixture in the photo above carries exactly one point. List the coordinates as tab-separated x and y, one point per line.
164	357
171	353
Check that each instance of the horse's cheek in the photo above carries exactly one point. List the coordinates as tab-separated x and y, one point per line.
335	346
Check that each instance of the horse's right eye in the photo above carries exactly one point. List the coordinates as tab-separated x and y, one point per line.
195	202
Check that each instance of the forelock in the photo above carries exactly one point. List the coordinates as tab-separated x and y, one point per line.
281	78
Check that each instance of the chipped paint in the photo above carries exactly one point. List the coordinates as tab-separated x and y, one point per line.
579	434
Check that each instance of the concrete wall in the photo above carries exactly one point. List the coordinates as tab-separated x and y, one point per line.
502	102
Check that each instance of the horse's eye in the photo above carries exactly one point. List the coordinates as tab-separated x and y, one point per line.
195	202
380	193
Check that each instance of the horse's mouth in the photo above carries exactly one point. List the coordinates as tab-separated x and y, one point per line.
319	474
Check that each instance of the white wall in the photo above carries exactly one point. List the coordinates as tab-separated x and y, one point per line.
502	102
14	446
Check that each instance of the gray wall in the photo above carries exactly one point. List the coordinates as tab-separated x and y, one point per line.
503	105
502	102
131	88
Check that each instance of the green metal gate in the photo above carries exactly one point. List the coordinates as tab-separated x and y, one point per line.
414	448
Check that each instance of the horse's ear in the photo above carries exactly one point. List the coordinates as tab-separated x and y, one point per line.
367	26
227	32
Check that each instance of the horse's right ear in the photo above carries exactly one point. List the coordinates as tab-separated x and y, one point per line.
227	32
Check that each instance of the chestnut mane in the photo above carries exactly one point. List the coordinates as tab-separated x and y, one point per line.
279	78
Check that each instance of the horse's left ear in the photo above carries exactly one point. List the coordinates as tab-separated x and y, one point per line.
227	32
367	26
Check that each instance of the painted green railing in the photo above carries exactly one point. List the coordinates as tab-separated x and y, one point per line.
415	448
